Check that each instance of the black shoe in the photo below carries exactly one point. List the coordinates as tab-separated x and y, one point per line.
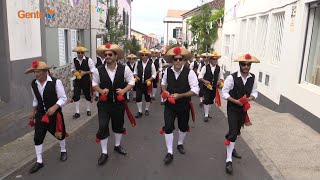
102	159
63	156
146	113
162	103
235	154
168	159
206	119
201	104
229	169
36	167
120	150
209	116
76	115
139	115
97	98
153	98
181	149
88	113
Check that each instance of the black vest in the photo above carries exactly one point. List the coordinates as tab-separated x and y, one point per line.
156	64
147	71
195	65
239	90
84	67
129	65
50	97
212	77
180	85
99	62
118	82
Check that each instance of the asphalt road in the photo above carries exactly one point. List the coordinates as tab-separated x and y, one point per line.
204	158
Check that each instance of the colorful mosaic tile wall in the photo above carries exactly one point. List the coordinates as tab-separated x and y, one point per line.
73	14
64	74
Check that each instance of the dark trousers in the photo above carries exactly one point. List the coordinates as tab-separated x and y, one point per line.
171	112
42	128
208	96
107	111
155	82
236	119
142	89
83	85
201	89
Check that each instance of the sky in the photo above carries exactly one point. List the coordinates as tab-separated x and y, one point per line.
148	15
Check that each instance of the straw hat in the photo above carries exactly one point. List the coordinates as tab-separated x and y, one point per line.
155	50
37	65
185	53
132	56
110	47
247	58
215	55
144	51
80	48
206	55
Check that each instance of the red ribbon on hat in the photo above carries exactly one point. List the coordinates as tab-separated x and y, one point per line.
35	64
247	56
177	50
108	45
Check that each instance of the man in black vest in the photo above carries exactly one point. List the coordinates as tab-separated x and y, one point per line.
238	86
179	83
158	65
204	62
131	63
112	81
81	67
195	64
144	73
48	98
210	75
99	62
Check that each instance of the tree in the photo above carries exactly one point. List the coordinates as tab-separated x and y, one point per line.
204	26
133	45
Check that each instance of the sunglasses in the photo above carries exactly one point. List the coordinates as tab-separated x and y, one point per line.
80	52
130	58
176	59
108	54
144	55
245	64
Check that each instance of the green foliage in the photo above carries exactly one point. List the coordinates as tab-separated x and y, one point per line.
172	46
204	27
133	45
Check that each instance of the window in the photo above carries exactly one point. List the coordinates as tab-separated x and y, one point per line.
277	27
261	36
227	45
260	76
312	50
177	33
266	82
242	38
251	35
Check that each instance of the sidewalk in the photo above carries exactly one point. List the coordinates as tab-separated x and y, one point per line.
19	152
285	146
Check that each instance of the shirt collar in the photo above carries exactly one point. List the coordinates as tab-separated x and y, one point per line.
48	79
212	65
239	75
176	71
110	69
83	58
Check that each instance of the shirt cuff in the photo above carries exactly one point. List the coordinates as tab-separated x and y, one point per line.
225	96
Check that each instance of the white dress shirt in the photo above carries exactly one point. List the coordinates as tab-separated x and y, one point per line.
153	70
192	79
229	83
192	64
90	63
131	65
128	76
213	68
62	98
199	67
160	63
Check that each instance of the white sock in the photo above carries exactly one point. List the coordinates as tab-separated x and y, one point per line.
182	135
139	104
230	148
77	106
201	98
97	94
117	139
39	153
63	145
147	106
88	105
161	99
154	91
206	110
128	95
169	142
104	145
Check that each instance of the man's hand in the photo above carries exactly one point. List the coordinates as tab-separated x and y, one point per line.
120	91
238	103
52	110
176	96
104	91
206	82
137	78
82	73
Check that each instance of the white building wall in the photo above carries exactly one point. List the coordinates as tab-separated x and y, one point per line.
171	23
284	74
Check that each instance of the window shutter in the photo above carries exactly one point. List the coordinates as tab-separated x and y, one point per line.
174	33
73	43
62	51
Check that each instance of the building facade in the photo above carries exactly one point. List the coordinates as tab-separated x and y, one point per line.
285	36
